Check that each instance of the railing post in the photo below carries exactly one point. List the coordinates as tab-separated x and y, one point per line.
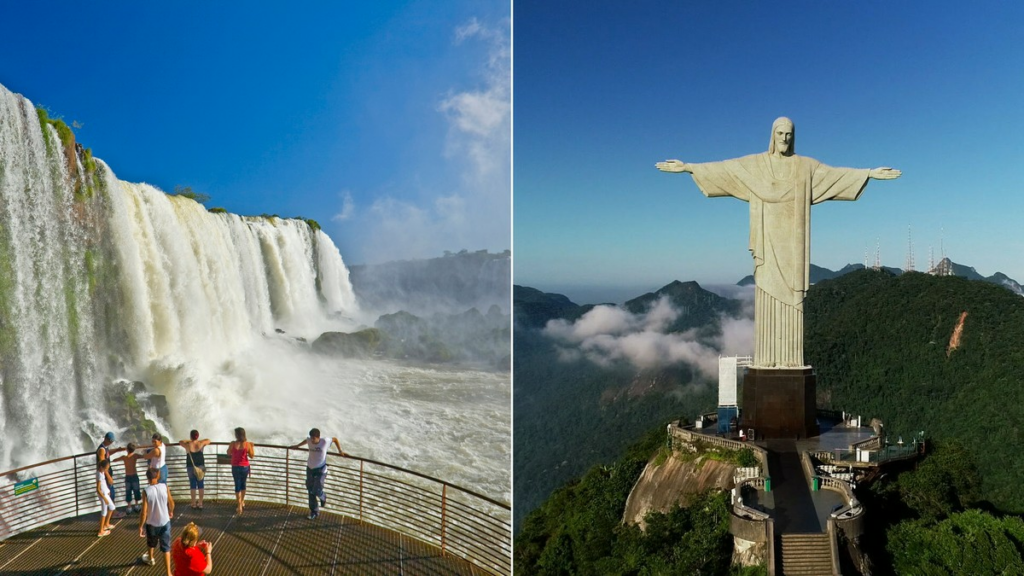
287	476
76	485
220	471
361	491
444	509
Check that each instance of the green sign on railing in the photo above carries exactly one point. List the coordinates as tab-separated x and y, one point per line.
26	486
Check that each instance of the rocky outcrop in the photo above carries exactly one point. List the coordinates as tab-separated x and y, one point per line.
349	345
129	404
662	486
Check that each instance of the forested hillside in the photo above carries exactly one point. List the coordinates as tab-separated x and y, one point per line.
579	528
881	347
569	413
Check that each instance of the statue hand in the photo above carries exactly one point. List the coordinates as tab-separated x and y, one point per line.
672	166
885	173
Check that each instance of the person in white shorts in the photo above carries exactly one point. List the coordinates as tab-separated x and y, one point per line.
106	502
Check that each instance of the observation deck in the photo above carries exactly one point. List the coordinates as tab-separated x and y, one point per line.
379	519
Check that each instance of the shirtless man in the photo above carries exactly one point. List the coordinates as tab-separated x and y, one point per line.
132	488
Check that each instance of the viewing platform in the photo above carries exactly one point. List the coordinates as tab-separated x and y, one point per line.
379	519
796	513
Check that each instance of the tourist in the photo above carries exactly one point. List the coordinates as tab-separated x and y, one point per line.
195	466
106	500
191	557
240	451
155	520
132	487
157	457
103	452
316	468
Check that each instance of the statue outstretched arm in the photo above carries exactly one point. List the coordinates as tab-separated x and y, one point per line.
885	173
673	166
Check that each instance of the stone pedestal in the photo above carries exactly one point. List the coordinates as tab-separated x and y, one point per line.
780	402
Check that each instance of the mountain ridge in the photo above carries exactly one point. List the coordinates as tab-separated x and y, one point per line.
945	267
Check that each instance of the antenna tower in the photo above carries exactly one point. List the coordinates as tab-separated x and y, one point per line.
878	254
909	267
945	266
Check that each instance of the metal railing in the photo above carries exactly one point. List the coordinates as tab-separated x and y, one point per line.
881	456
460	522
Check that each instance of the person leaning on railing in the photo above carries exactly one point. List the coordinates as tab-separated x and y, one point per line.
190	556
316	468
157	457
103	452
195	466
132	488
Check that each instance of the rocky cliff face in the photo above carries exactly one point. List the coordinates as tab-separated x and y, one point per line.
662	486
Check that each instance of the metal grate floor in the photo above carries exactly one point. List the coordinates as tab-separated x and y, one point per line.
268	539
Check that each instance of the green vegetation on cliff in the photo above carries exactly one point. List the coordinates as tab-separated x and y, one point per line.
83	184
880	345
188	192
579	528
971	543
924	520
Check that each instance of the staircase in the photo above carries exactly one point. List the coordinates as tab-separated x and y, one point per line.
806	555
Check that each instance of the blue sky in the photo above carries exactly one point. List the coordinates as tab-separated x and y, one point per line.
604	91
386	122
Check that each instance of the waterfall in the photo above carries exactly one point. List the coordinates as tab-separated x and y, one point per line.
102	279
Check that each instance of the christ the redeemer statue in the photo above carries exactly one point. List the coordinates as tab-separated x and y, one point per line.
780	187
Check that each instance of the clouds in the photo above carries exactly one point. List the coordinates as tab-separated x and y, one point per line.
347	208
472	209
609	334
480	119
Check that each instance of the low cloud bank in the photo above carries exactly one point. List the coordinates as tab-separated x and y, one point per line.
609	334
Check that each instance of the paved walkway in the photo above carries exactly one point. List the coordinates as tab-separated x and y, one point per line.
267	539
795	508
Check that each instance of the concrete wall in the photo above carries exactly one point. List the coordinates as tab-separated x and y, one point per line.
688	435
753	542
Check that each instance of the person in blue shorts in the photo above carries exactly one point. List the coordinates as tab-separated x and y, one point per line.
195	466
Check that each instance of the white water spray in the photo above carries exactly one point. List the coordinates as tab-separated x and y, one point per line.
118	280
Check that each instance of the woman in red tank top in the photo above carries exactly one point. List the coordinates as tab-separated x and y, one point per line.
240	451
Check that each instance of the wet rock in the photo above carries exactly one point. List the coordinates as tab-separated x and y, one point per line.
361	344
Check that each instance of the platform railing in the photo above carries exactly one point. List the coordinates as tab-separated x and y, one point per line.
460	522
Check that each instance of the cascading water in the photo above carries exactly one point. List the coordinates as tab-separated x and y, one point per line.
181	286
47	348
102	280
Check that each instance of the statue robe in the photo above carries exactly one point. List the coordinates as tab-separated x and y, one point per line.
780	234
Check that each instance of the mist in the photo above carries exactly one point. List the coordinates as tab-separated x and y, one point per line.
607	335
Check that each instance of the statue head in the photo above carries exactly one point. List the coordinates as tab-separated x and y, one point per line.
783	137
